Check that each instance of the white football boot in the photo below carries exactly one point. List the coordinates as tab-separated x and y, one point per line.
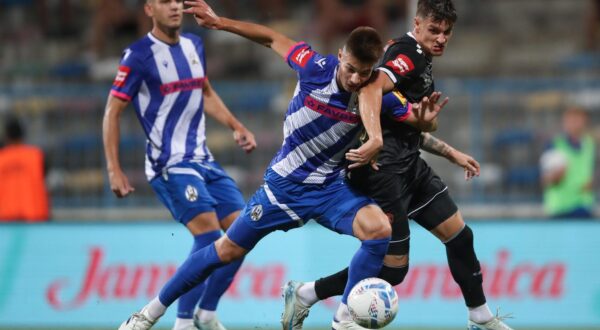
213	324
294	312
138	321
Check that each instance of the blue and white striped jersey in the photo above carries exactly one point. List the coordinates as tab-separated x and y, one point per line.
318	128
164	83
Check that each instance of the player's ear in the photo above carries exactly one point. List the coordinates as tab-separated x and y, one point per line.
148	8
340	52
417	23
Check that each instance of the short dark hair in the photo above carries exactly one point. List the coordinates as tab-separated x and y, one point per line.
13	130
438	10
365	44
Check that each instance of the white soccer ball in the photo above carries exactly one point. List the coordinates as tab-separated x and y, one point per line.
373	303
552	161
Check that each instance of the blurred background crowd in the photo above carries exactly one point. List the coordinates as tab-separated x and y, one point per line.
511	70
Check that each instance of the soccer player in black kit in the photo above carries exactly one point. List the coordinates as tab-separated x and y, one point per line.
402	183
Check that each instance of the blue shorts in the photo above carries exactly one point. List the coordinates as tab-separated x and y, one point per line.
188	189
281	204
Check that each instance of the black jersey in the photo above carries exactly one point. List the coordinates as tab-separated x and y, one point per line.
410	69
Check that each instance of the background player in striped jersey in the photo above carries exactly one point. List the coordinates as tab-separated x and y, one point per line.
164	76
405	186
306	177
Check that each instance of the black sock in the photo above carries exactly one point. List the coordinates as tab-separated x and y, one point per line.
465	267
334	285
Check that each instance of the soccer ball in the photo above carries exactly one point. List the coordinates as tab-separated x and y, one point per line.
373	303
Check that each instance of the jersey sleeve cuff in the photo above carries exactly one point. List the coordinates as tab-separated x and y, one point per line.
120	95
406	114
389	73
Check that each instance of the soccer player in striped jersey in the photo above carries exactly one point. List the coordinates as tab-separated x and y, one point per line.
305	179
164	75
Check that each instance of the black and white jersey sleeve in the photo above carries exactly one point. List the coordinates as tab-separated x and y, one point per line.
407	66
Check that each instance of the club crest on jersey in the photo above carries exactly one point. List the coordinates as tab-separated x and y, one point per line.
191	194
302	55
194	59
256	212
121	76
401	64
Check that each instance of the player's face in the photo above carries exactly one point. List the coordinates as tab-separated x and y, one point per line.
166	13
432	36
352	73
574	123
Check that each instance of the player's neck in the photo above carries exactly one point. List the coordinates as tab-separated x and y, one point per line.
169	36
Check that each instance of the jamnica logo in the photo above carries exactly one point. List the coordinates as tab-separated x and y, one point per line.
118	282
129	282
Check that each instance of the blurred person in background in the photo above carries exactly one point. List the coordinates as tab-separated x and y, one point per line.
402	183
567	168
336	18
592	27
164	75
23	193
112	16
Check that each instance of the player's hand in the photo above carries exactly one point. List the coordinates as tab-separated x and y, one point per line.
468	163
366	154
428	109
245	139
119	184
203	14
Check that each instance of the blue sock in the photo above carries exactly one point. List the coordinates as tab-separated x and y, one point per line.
217	284
187	303
195	269
367	262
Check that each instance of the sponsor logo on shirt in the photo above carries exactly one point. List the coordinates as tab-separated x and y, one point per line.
121	76
401	65
301	56
182	85
330	111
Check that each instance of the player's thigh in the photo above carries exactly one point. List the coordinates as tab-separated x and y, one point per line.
345	210
392	192
265	212
449	228
431	204
186	196
224	190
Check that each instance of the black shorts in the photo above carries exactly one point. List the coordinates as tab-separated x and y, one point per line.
418	194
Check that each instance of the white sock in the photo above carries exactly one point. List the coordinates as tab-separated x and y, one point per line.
154	309
183	323
307	294
205	316
342	313
481	314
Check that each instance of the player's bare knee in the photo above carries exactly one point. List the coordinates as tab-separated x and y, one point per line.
395	260
451	227
228	251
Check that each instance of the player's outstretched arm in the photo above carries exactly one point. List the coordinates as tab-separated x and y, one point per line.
261	34
214	106
435	146
119	183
